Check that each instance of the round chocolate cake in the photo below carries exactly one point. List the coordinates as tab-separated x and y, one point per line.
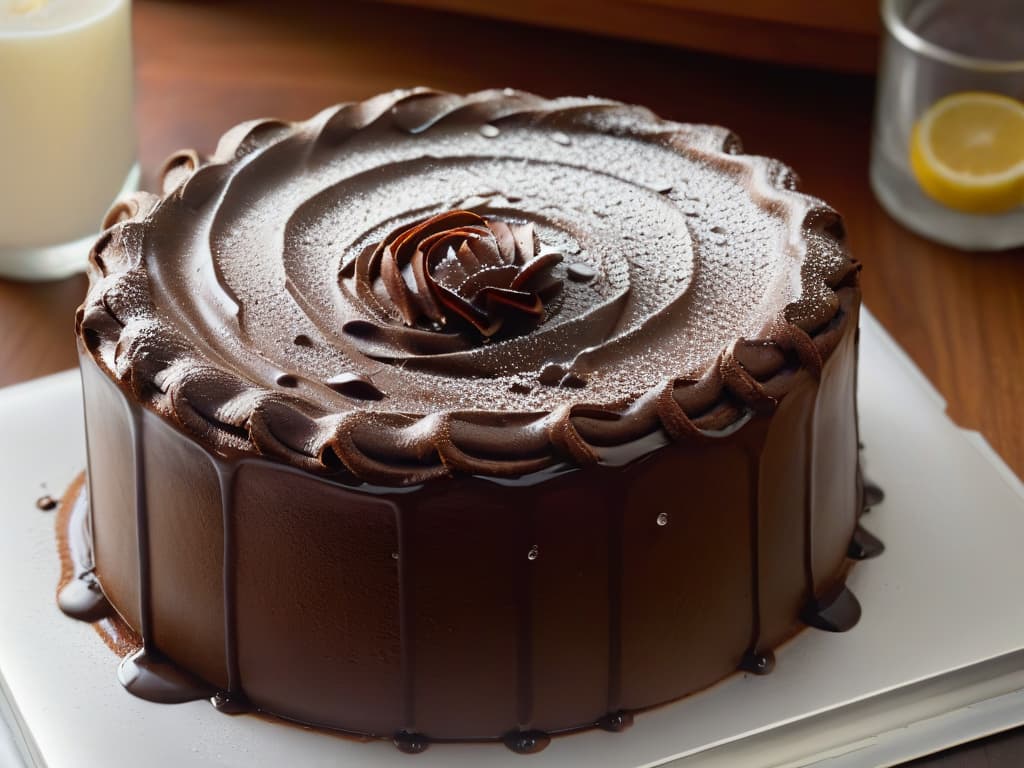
468	417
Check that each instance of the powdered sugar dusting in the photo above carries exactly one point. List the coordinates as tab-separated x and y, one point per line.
683	249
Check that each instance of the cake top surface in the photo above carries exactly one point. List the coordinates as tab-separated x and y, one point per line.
495	283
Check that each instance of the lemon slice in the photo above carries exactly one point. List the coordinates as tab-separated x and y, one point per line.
967	152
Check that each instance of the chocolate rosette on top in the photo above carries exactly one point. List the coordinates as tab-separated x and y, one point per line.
458	274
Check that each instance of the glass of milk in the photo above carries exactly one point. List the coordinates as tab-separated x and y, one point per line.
67	137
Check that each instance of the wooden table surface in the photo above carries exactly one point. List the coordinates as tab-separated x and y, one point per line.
203	66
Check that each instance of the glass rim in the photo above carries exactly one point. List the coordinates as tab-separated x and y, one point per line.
24	33
894	24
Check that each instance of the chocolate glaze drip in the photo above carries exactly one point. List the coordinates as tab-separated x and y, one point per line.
761	663
838	612
226	480
616	722
150	676
407	638
83	599
808	525
146	673
755	660
78	592
616	527
192	291
142	538
411	743
80	597
527	742
524	651
231	704
873	495
864	545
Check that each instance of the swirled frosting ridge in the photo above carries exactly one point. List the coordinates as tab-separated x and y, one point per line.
425	283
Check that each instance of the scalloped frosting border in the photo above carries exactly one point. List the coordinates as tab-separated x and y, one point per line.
234	416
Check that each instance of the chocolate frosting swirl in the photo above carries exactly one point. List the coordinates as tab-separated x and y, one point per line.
307	293
454	272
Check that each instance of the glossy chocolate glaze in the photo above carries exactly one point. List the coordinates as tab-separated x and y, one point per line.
497	519
527	742
411	743
873	495
147	674
79	594
864	545
836	612
77	580
499	664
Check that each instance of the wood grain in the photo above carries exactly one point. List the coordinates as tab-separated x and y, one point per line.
841	36
202	66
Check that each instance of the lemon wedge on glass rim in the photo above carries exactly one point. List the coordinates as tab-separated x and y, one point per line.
967	152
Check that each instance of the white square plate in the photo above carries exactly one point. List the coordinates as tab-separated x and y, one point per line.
937	659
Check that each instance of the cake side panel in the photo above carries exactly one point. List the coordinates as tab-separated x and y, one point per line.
834	487
184	508
571	644
507	611
112	490
782	502
317	600
686	615
466	558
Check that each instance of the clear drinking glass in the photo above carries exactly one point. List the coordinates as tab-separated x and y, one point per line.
935	49
67	134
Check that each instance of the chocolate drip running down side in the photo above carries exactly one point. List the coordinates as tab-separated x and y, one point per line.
357	334
78	594
166	682
153	676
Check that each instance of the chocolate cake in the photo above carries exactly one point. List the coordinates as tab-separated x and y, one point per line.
444	417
